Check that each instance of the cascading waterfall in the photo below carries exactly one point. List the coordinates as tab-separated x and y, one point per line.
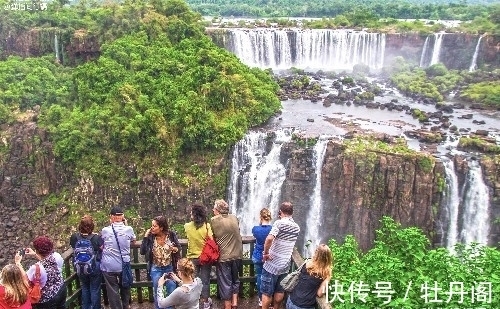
473	65
452	203
307	48
475	222
314	216
436	51
424	52
257	176
56	47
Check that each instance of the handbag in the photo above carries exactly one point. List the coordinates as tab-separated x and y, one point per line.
127	277
35	292
292	279
210	252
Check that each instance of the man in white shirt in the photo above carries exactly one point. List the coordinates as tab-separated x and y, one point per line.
277	255
112	254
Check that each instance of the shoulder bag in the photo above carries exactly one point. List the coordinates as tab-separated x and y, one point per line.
127	277
292	279
210	252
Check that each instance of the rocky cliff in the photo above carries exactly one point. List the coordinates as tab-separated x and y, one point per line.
38	195
362	187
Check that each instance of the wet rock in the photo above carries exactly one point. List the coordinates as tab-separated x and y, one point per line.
453	128
466	116
310	119
481	132
478	121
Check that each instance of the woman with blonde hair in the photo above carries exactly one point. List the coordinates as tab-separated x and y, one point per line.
14	286
260	233
188	291
313	280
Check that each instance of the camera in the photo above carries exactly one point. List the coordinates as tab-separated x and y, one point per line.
22	252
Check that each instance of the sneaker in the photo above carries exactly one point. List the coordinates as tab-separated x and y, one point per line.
208	304
260	302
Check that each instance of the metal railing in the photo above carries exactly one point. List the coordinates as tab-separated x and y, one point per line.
142	287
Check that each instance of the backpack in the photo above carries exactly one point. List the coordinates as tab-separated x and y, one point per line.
84	256
210	252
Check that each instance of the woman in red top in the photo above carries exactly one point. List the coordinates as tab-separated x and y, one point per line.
14	287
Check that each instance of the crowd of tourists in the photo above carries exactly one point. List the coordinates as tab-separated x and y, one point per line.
180	283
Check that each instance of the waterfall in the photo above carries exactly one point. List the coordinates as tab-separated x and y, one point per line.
424	52
452	203
56	47
473	65
307	48
438	40
475	222
257	176
313	225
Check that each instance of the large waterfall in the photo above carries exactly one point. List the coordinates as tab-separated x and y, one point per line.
257	176
466	208
307	48
313	224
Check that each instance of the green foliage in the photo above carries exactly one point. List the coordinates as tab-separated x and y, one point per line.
434	82
425	163
421	116
478	144
487	93
25	83
402	258
304	142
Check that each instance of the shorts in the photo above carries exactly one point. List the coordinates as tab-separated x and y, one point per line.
270	283
228	278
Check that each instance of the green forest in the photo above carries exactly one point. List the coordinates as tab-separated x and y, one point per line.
401	9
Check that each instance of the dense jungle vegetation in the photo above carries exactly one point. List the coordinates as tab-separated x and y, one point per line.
402	271
373	9
159	90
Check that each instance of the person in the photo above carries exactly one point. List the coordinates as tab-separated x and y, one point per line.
277	254
14	286
225	227
161	249
313	280
51	280
91	283
187	295
196	231
112	255
260	233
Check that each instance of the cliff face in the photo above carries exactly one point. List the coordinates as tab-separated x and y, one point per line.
457	49
360	190
38	196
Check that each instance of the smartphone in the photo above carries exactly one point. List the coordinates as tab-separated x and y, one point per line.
22	252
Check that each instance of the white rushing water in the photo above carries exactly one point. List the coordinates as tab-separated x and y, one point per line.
476	218
257	176
56	47
323	49
452	203
436	51
313	225
473	64
424	52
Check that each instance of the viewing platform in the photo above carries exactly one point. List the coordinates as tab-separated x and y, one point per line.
142	288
